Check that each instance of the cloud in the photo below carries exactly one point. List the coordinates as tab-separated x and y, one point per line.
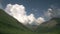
40	20
47	14
52	13
19	13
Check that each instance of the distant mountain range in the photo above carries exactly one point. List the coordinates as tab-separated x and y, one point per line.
9	25
52	26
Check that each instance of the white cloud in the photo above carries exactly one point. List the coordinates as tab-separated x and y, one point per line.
31	18
18	12
40	20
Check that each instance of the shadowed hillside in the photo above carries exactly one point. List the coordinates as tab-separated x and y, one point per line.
50	27
9	25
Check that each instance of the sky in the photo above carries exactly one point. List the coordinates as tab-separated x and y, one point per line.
31	10
0	6
33	6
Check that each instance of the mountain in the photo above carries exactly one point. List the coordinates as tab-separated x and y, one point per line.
51	27
9	25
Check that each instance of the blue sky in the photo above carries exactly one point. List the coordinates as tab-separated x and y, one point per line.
1	6
37	7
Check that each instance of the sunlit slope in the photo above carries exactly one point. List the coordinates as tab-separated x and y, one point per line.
50	27
9	25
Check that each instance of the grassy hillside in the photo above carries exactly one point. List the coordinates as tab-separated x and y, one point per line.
9	25
50	27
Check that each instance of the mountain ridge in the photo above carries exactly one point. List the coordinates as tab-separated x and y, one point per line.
52	25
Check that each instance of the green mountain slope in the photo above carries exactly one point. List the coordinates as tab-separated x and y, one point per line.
9	25
50	27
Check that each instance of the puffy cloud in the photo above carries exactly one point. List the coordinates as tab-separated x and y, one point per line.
40	20
31	18
18	12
